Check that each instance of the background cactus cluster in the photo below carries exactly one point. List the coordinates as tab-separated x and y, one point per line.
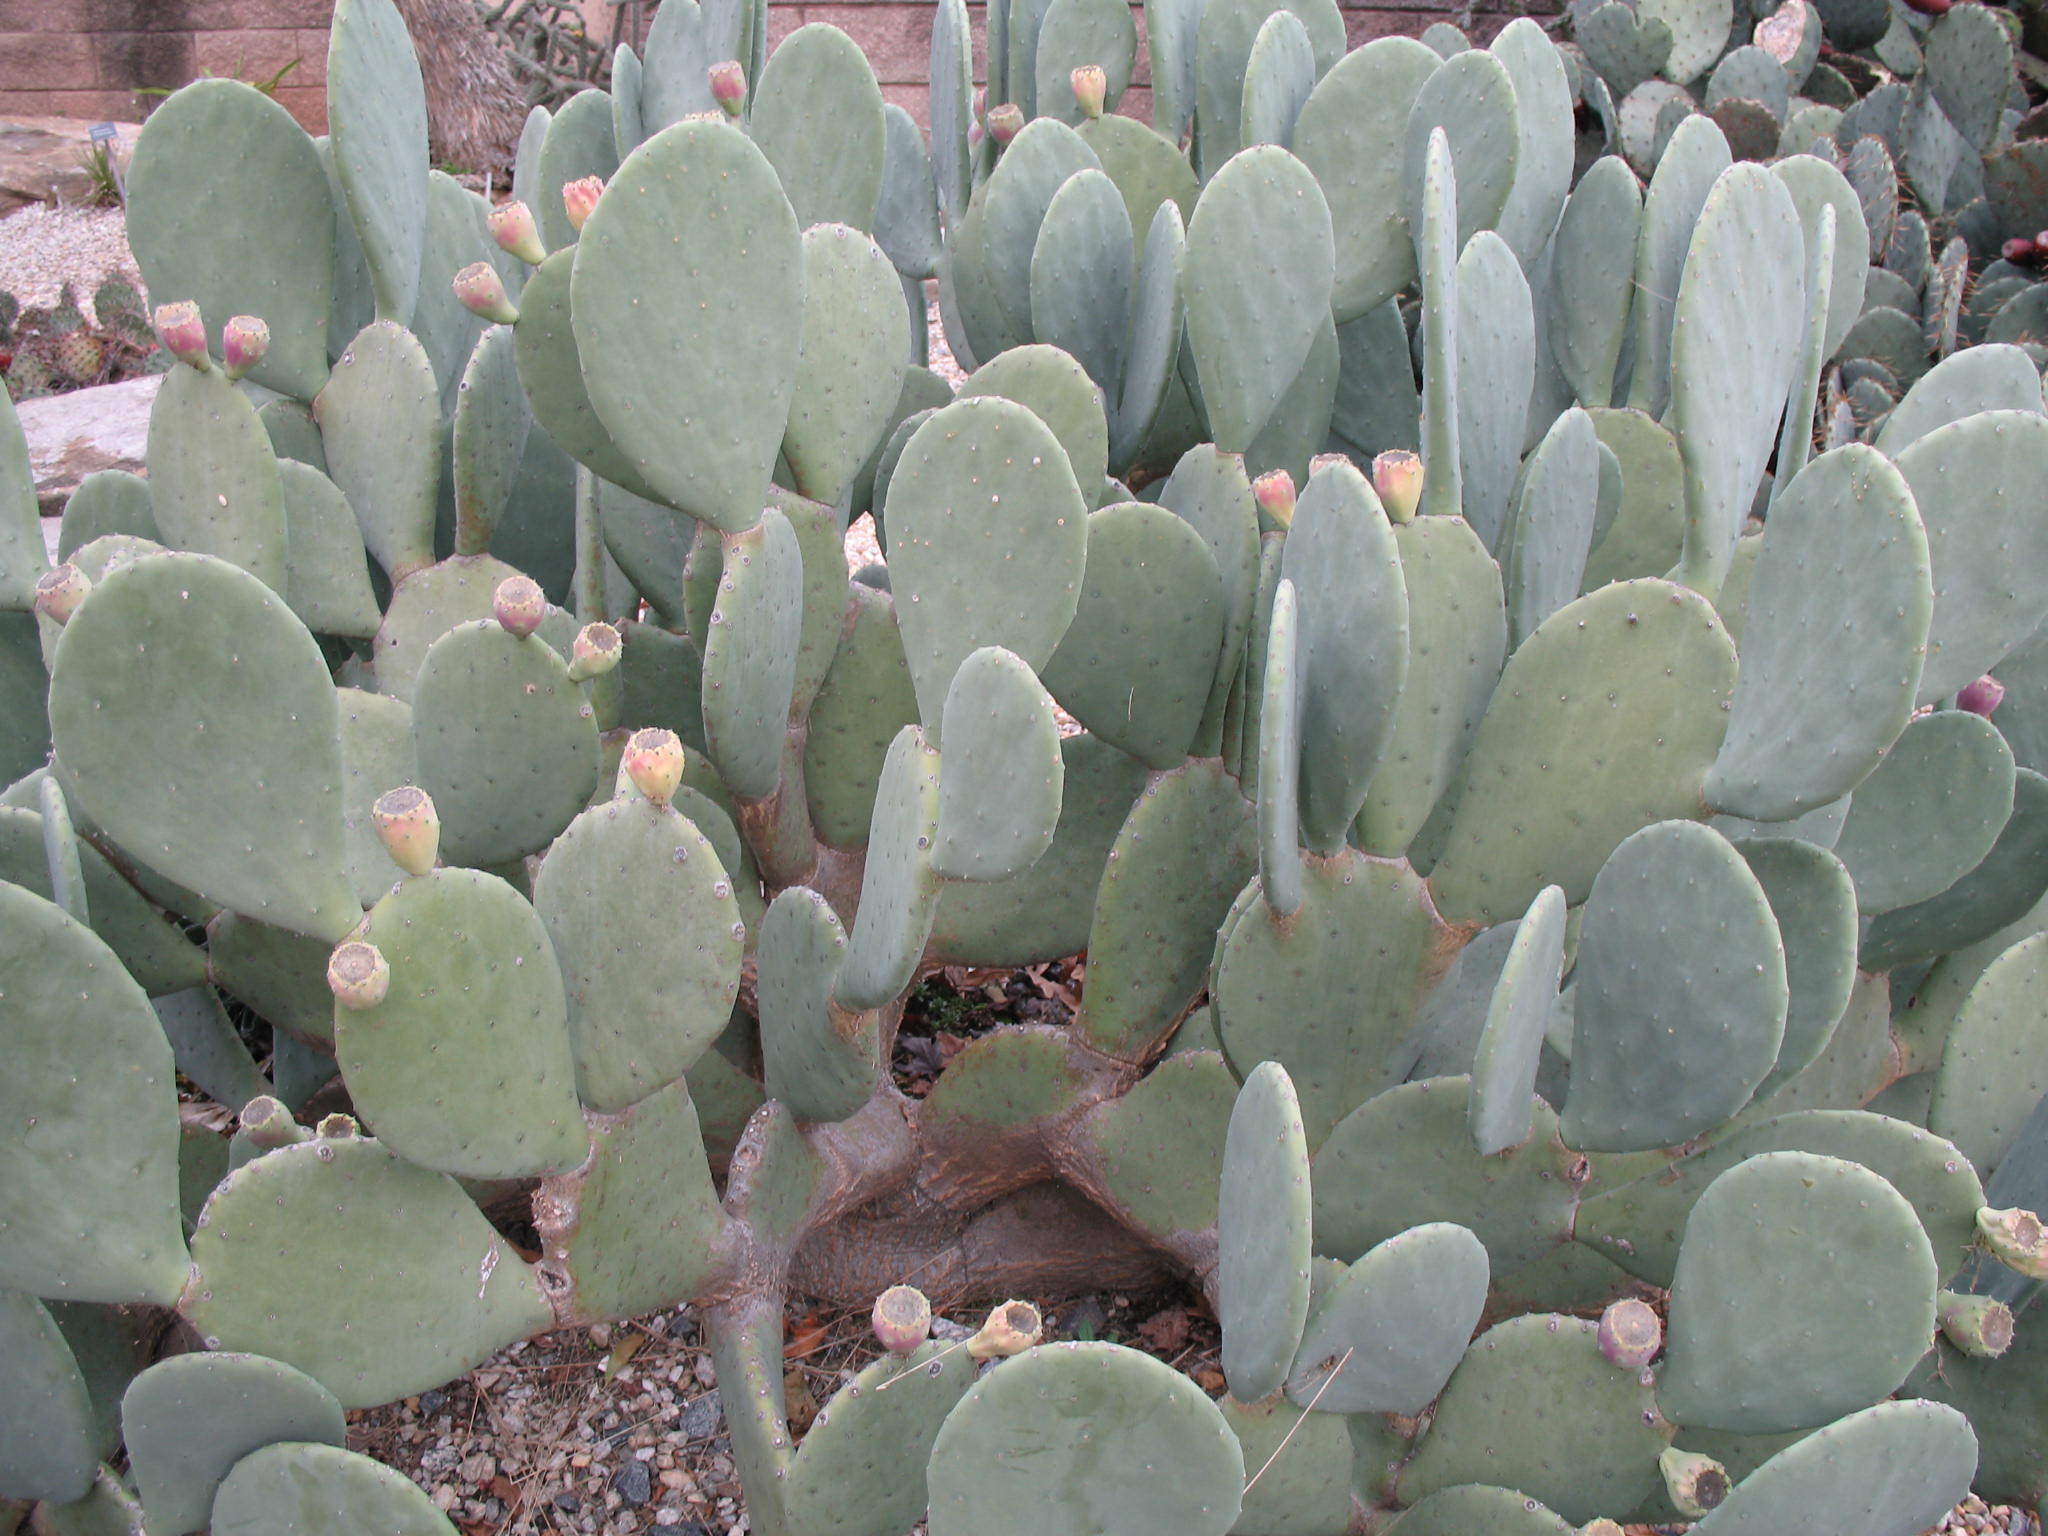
1512	876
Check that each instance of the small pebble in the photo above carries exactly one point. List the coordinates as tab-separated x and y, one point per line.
701	1419
633	1483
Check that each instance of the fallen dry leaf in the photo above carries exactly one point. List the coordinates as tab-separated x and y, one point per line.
807	1335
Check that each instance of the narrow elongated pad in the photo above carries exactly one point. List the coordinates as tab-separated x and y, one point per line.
1262	1229
1344	562
329	1491
380	425
987	540
1523	1003
1494	336
1001	777
1681	992
750	659
1591	295
1180	1470
1851	1306
1604	721
1990	1077
465	1065
208	667
187	1421
492	420
1929	812
1814	902
1402	1314
619	886
899	890
819	1061
1553	524
51	1451
727	282
1686	172
377	123
1279	756
413	1285
328	584
1832	644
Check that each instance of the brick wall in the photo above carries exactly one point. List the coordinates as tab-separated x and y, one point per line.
91	58
87	58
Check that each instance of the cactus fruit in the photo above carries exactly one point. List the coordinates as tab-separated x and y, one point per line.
1091	86
1011	1329
1005	122
409	828
358	975
519	605
482	291
1982	697
902	1319
594	652
183	333
579	197
60	590
654	761
729	86
1397	481
2016	1239
514	228
1274	492
1694	1483
1980	1326
245	341
1630	1333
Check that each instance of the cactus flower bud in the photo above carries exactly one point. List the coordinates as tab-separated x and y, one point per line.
269	1125
594	652
243	342
358	974
653	760
1010	1330
59	591
1977	1325
1274	492
579	197
338	1127
902	1319
519	605
1397	480
1630	1334
409	827
2015	1238
1005	122
1091	89
184	333
1931	7
729	87
513	227
482	292
1696	1483
1601	1527
1982	697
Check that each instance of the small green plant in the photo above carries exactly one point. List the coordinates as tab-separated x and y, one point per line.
106	181
240	72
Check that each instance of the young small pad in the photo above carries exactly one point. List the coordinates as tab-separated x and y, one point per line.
1262	1231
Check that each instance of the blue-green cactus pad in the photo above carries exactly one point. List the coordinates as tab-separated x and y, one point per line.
1518	1014
1929	812
328	1491
1990	1076
1262	1231
817	115
750	654
899	890
1001	775
214	484
1471	1507
51	1449
380	427
860	1468
377	121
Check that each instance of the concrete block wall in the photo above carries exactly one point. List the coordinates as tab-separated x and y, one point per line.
90	58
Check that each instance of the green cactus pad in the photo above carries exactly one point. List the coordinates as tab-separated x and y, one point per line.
1262	212
1495	337
1158	1149
465	1065
899	890
1000	1082
1604	721
581	141
1816	184
1552	525
1457	638
989	256
380	426
107	501
1299	427
1472	1507
1989	1080
207	1048
866	698
1211	492
751	658
1686	172
1279	74
1138	664
2002	889
214	483
1158	320
855	349
1331	989
328	581
426	606
1057	390
817	115
1403	1314
1814	902
822	1063
1001	774
1082	273
1472	99
281	975
1523	1002
1734	354
860	1470
51	1450
1012	1457
413	1284
1262	1229
1930	811
328	1491
1277	746
637	1225
189	1419
1623	47
1681	992
156	954
728	284
492	420
1969	480
987	540
1075	33
191	657
619	886
1184	852
1600	1456
1821	698
1852	1302
1046	911
1990	377
1639	1225
1648	528
1406	1157
1592	296
1357	109
268	202
485	697
1885	1471
1301	1472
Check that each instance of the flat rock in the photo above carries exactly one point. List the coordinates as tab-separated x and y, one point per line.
42	159
71	435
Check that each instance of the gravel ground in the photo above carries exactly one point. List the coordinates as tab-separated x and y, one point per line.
43	248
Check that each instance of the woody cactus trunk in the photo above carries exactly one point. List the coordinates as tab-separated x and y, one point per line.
1512	885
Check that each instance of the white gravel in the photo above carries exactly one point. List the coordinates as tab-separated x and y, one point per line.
43	248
